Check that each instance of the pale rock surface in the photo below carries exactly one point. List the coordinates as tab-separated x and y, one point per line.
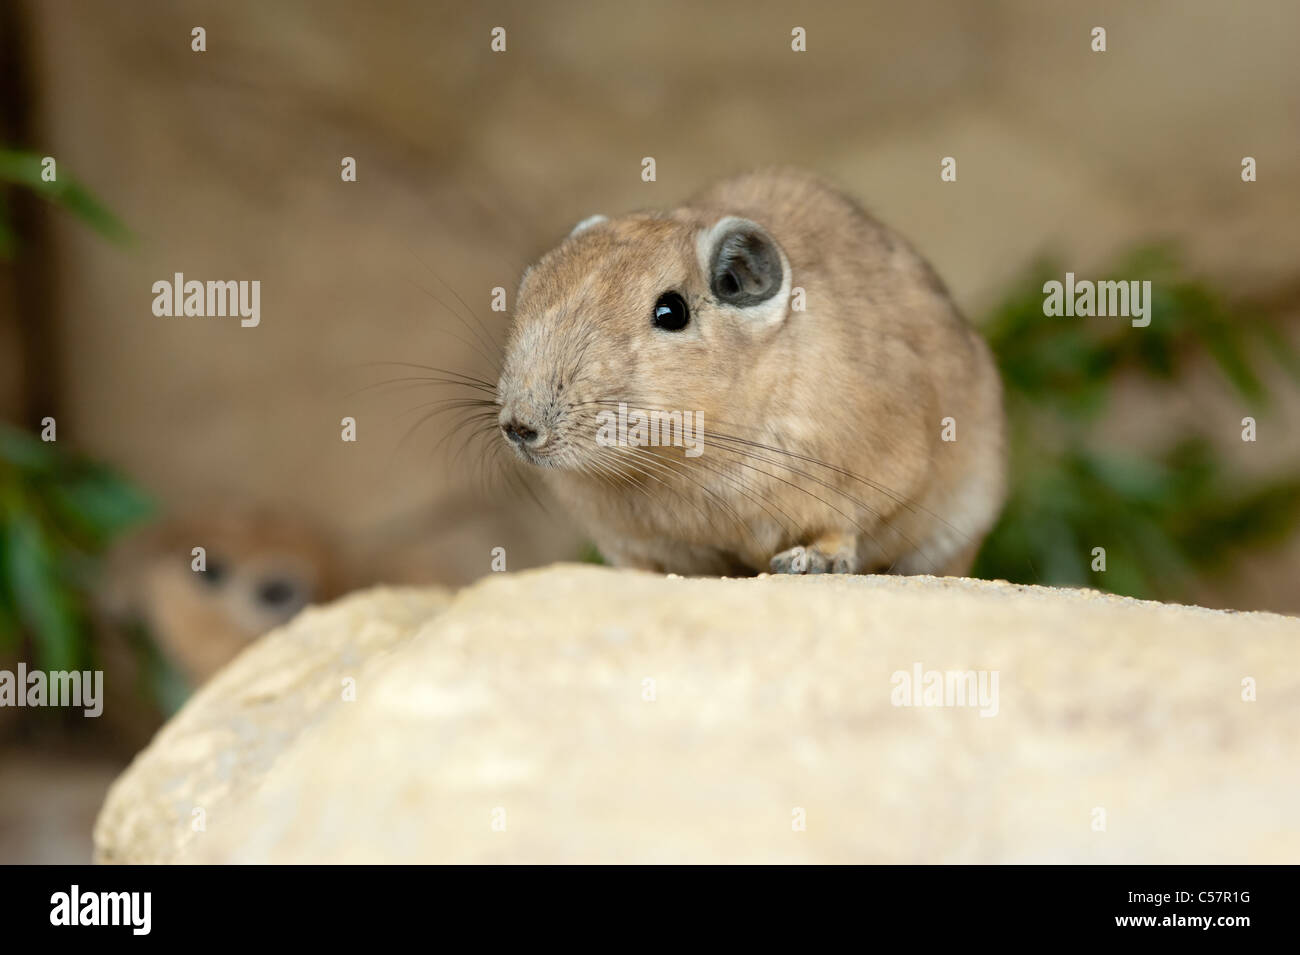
522	701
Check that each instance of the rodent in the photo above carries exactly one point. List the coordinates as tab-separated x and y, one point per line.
261	568
822	428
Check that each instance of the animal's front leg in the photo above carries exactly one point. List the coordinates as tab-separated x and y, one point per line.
833	553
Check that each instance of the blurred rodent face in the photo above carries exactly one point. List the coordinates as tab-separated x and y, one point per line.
260	568
655	312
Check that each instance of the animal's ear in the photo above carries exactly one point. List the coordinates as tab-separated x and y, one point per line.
587	223
744	264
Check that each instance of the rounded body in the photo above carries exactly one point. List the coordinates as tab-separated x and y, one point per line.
816	402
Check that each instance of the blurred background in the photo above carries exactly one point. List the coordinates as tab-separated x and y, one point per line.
225	164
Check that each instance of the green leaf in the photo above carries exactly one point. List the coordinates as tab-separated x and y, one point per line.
590	555
1164	515
57	513
46	604
24	169
26	452
99	505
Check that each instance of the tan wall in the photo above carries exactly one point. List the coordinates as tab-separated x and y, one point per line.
225	164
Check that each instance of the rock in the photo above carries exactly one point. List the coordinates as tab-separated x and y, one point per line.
234	730
584	714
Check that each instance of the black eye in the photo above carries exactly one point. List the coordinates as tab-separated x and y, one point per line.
671	313
276	592
215	575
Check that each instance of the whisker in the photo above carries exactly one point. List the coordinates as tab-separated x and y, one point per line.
709	492
637	468
486	338
736	481
726	442
432	368
454	403
397	385
493	359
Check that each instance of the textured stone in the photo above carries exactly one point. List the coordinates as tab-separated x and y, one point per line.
524	693
240	724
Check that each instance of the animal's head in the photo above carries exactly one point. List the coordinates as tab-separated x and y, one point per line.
257	571
662	313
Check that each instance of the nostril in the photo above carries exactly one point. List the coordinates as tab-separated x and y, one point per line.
519	433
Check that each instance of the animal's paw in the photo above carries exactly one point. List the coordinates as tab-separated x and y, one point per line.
811	560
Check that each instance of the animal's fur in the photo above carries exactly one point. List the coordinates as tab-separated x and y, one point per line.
851	391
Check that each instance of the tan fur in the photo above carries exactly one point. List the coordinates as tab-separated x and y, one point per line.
852	391
198	621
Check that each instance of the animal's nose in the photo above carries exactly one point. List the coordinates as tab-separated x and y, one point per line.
520	433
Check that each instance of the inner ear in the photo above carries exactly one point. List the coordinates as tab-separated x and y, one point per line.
744	265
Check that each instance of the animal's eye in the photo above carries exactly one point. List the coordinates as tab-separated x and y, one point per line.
671	313
215	574
277	593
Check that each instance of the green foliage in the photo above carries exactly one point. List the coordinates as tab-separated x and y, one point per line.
23	169
589	554
58	513
1166	516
